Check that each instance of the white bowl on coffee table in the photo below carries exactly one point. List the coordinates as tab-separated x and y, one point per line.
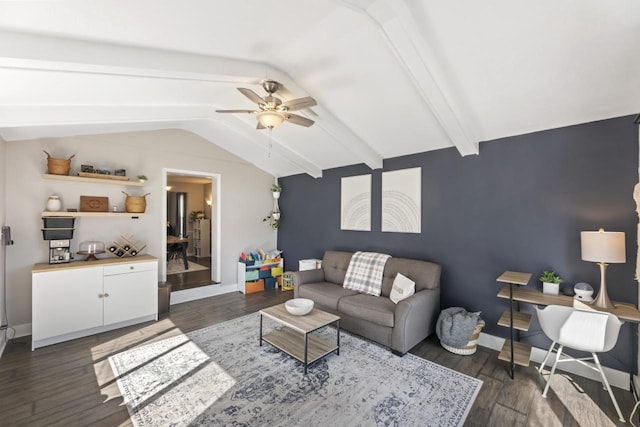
299	306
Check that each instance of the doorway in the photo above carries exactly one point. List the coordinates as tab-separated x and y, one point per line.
192	217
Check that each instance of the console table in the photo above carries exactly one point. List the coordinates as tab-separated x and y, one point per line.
517	353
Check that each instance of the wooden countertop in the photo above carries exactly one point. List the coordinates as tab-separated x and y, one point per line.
43	267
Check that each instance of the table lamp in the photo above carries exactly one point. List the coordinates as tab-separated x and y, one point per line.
603	247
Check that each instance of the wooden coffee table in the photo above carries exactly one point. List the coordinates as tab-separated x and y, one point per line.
295	338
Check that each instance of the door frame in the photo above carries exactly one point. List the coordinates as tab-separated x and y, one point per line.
215	228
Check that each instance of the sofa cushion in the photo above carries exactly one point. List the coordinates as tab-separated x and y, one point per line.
403	288
378	310
335	265
426	274
324	294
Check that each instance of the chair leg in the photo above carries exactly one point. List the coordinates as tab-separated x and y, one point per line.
608	387
544	362
553	370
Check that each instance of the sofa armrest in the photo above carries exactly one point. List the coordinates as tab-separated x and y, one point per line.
415	319
306	276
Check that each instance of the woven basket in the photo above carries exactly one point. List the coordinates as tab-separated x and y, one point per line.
471	346
58	166
135	204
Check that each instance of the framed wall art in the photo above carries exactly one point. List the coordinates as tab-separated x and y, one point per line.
401	201
355	203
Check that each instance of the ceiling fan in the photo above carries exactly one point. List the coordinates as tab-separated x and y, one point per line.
272	111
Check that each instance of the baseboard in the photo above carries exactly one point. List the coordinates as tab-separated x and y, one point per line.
22	330
615	377
187	295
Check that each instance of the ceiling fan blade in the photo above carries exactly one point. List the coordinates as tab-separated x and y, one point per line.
251	95
299	120
235	111
300	103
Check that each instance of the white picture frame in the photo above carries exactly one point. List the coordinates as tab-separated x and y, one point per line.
402	201
355	203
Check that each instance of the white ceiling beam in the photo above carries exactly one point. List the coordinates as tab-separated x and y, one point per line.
47	115
29	51
413	53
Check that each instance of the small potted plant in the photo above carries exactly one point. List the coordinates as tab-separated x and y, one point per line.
276	190
550	282
142	178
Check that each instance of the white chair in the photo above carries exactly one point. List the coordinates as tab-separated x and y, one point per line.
590	331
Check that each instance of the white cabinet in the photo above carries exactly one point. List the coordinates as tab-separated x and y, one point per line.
127	290
202	238
66	301
83	298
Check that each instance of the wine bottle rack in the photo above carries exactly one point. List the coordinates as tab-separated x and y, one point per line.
126	246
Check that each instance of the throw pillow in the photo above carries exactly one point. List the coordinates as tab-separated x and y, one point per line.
403	287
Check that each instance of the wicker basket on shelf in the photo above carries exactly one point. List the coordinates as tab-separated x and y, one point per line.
58	166
135	204
471	346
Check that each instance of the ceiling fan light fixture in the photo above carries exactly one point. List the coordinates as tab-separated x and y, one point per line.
270	119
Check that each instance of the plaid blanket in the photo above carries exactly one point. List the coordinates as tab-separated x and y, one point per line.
365	273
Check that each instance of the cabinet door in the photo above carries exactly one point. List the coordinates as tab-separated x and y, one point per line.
131	295
66	301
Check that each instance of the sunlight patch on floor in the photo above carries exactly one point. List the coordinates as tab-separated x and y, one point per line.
170	368
582	408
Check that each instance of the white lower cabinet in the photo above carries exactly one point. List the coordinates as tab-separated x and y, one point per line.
127	294
77	301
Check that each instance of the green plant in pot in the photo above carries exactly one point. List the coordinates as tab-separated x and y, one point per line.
550	282
276	189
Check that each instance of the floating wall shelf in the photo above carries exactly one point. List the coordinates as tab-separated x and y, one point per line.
107	181
46	214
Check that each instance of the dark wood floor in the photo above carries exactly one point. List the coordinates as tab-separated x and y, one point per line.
192	279
71	384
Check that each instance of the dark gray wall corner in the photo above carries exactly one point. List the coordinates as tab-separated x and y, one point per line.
519	205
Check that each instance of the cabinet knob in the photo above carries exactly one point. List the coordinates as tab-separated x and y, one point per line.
100	295
131	268
106	295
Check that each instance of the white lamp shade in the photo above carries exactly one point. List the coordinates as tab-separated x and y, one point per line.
603	246
270	119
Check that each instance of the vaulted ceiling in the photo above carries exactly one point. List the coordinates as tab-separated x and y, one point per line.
391	77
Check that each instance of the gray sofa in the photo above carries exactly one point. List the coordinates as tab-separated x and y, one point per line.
399	327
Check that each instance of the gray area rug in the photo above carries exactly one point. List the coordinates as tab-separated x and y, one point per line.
219	376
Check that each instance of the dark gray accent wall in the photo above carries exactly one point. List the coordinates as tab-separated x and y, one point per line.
520	205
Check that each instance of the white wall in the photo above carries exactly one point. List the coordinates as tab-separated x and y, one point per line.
2	248
244	198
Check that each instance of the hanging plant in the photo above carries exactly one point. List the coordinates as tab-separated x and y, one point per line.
276	188
271	219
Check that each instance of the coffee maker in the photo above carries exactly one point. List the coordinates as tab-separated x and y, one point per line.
59	251
59	232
